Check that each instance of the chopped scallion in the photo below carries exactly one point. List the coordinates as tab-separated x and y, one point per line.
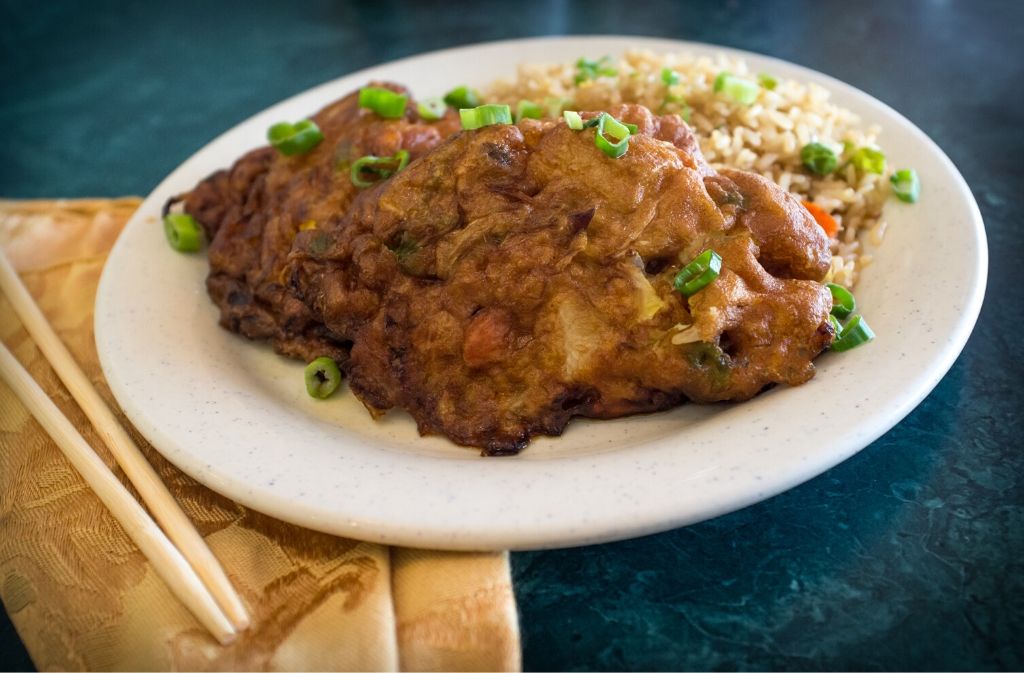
573	120
382	167
837	327
906	185
696	275
767	81
818	158
462	97
555	105
384	102
619	132
739	90
183	232
587	69
869	160
322	377
670	77
431	109
855	333
528	110
298	138
843	301
485	115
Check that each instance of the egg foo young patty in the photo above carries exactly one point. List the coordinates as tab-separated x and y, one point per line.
514	276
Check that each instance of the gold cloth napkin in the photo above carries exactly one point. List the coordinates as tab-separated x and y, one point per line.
82	596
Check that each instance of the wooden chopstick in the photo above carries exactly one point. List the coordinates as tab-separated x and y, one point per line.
142	475
165	557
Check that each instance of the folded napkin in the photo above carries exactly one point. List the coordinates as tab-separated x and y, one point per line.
82	596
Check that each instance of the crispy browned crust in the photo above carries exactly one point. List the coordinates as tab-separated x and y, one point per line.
252	212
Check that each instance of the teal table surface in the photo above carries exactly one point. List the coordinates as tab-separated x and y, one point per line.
907	556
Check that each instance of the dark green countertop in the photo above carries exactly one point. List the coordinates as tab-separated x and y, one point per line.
907	556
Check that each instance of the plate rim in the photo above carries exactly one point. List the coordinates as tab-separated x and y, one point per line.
554	535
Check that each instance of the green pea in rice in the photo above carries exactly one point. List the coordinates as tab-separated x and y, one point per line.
765	137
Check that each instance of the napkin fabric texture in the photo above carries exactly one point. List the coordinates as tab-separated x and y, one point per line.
82	596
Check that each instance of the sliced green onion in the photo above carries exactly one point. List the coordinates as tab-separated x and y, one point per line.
384	167
696	275
297	138
843	302
322	378
594	121
609	125
485	115
555	105
818	158
384	102
587	69
632	128
670	77
431	109
183	232
855	333
767	81
573	120
837	327
869	160
462	97
740	90
527	109
906	185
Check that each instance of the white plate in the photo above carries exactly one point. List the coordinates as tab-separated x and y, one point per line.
236	416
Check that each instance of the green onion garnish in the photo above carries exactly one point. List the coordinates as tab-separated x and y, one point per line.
383	167
855	333
632	128
587	69
573	120
384	102
837	327
485	115
555	105
462	97
843	302
906	185
527	109
183	232
617	130
670	77
767	81
322	377
431	109
818	158
869	160
297	138
740	90
696	275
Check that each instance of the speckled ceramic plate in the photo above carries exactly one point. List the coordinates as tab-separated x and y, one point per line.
236	416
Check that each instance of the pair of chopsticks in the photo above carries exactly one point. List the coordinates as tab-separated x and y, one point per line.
187	565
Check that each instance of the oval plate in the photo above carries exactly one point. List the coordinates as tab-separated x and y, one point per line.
236	416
